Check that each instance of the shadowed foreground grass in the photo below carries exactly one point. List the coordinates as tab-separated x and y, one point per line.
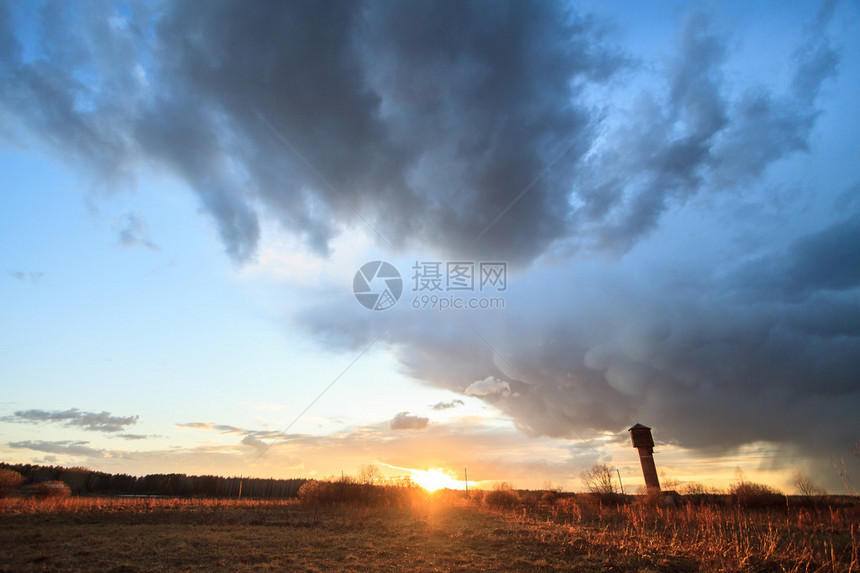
425	533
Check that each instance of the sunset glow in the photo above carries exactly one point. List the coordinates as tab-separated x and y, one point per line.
434	479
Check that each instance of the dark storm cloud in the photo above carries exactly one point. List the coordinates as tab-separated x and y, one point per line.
696	137
708	369
826	260
427	119
815	269
407	421
90	421
469	126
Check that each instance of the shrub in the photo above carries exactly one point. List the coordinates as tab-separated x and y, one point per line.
316	492
348	491
751	494
49	489
650	498
503	496
595	505
9	480
568	508
695	488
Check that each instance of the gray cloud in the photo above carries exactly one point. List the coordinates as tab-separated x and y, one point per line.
697	137
196	425
255	442
134	436
407	421
825	260
314	110
489	386
253	435
813	269
220	428
133	231
428	120
66	447
90	421
447	405
33	276
711	359
715	356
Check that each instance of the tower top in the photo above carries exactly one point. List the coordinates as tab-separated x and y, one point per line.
641	436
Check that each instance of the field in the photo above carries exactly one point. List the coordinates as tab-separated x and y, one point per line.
423	531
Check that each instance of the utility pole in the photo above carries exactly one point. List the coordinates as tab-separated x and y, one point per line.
466	474
619	480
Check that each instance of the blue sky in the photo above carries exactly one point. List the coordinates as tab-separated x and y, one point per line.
186	196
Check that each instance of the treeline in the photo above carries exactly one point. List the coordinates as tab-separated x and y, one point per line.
85	481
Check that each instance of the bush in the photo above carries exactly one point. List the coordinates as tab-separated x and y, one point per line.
695	488
348	491
567	507
503	496
651	498
316	492
751	494
9	480
48	489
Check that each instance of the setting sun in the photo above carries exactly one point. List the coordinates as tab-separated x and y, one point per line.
434	479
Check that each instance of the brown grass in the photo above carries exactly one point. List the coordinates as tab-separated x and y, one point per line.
426	532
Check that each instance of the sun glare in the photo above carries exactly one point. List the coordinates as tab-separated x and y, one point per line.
434	479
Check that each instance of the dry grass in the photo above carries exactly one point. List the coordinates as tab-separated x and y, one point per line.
423	532
724	538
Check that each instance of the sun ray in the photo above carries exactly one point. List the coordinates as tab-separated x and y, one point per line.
438	478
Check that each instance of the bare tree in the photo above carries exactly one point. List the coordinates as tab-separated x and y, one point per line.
805	485
369	474
599	479
668	483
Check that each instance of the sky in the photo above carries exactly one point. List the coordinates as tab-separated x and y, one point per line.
289	239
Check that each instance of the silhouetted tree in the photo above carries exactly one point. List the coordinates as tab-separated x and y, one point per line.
369	474
599	479
805	485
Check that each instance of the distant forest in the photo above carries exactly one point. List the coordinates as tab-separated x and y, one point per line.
85	481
